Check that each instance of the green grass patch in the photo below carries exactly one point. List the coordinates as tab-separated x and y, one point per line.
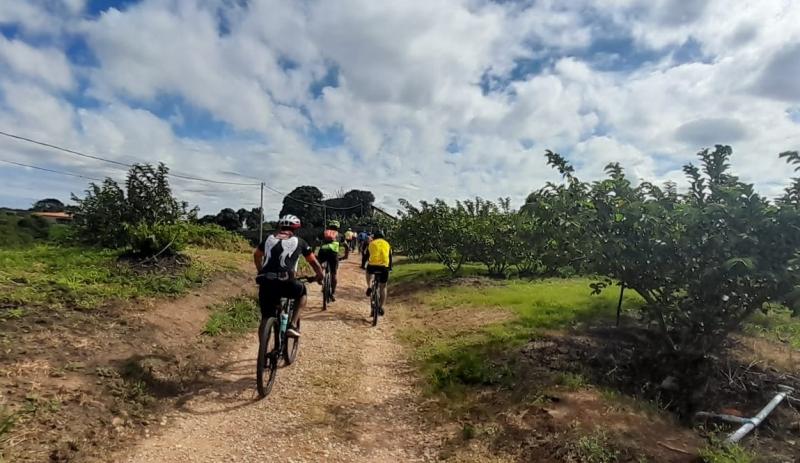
570	381
85	278
719	452
777	325
406	273
236	315
594	448
454	359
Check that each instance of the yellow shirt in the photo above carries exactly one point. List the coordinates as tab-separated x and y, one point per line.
379	250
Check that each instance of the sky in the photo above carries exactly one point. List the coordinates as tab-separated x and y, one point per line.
413	99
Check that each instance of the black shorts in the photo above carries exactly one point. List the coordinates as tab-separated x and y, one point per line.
329	257
381	272
271	292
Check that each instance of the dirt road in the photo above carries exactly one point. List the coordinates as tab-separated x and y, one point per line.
348	398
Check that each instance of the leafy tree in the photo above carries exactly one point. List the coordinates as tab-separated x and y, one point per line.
297	203
149	197
107	216
434	228
228	219
556	234
48	205
101	215
362	198
703	263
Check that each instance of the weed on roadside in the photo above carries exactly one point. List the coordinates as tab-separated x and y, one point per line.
570	381
237	315
594	448
7	421
719	452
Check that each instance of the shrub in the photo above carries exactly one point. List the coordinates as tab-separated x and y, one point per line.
214	236
18	230
156	240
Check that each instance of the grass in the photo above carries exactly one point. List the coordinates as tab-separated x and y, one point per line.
594	448
718	452
236	315
85	278
777	325
452	360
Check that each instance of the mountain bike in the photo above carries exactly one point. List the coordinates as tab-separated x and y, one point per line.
274	344
327	287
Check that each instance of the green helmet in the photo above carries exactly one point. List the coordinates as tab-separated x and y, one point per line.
334	224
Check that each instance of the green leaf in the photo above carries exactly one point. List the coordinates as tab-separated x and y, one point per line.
738	263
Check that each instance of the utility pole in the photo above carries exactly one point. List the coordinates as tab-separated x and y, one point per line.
261	215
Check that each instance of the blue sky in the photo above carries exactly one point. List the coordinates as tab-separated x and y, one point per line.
414	99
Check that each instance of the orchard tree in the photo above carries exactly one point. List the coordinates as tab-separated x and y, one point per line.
48	205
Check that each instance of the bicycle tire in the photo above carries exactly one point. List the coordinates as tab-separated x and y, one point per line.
374	302
326	291
267	359
291	346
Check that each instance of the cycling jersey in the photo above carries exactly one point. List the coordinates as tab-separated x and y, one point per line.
380	253
330	240
281	254
348	235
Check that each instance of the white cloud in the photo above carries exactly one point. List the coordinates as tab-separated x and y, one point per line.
408	103
47	65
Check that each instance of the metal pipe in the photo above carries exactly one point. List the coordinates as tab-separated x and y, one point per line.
753	422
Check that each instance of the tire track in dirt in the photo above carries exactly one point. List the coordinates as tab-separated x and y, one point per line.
349	397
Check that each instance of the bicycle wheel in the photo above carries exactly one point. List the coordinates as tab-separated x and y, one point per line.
326	291
375	302
268	353
292	345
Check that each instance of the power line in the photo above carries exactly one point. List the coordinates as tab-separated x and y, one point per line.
118	163
173	174
50	170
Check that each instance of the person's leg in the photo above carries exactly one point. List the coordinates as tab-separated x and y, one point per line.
384	283
334	269
268	303
369	281
299	294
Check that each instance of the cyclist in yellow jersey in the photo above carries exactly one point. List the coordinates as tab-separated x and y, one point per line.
379	264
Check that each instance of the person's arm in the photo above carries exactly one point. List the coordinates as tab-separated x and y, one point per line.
258	259
391	253
314	263
308	254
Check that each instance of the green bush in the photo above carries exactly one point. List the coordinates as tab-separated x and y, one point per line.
160	239
214	237
17	231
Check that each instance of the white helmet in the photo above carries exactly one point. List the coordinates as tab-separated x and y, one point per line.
289	221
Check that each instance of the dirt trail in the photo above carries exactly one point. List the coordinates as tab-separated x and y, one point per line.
348	398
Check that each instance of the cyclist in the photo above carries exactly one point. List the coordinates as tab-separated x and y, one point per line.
379	265
362	240
365	250
349	236
329	252
276	261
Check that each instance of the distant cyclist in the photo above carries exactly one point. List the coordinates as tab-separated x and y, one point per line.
329	252
350	237
276	261
379	265
362	241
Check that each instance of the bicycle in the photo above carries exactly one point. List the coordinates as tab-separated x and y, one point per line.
375	300
327	287
283	346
